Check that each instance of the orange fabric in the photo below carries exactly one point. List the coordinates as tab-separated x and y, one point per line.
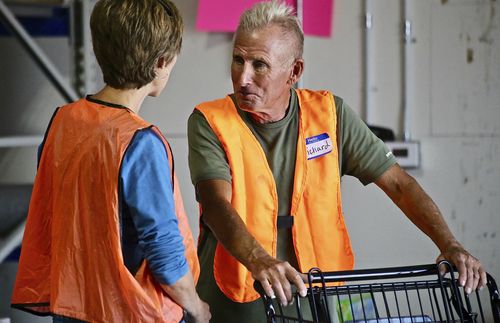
319	233
71	262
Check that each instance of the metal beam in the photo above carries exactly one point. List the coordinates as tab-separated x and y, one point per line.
86	73
37	54
20	141
12	241
407	70
367	60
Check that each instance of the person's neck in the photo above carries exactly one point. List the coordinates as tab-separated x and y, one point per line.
274	114
130	98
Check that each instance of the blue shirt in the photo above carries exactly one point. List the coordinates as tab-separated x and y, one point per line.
149	224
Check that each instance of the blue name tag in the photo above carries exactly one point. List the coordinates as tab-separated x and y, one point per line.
319	145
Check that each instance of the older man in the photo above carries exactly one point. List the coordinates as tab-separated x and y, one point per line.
266	162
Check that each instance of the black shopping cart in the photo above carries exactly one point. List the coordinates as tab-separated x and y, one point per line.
388	295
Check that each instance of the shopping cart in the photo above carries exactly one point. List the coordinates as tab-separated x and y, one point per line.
387	295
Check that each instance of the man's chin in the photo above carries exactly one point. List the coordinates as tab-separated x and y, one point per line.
246	105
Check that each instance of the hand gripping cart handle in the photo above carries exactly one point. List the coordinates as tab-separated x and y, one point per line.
410	294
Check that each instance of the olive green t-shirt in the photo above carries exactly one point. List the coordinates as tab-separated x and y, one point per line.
362	155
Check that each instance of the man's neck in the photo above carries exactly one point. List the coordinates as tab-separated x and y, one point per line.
274	114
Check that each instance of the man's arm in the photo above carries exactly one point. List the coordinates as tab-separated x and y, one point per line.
227	226
409	196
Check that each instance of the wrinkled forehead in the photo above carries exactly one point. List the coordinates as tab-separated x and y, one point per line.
273	40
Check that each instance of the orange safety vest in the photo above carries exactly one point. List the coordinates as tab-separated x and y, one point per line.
71	262
320	237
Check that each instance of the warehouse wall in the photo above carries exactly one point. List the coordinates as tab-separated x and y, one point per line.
455	55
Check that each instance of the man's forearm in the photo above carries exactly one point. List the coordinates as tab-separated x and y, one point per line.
420	209
231	232
423	212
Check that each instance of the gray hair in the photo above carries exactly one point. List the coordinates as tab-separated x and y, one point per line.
268	13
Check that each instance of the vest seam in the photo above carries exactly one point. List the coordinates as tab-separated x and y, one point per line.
46	135
107	104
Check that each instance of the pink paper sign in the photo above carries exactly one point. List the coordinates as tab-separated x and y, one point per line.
223	15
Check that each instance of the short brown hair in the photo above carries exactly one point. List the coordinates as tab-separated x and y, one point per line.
129	36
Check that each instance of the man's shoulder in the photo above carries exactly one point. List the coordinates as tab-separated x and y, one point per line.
322	92
215	103
313	92
339	102
197	114
219	109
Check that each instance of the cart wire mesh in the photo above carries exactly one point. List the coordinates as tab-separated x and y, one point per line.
387	295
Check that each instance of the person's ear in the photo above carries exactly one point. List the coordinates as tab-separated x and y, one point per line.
161	62
296	72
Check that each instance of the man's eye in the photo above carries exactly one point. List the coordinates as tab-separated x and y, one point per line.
237	60
258	65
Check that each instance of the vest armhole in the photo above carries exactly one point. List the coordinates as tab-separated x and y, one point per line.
45	136
168	151
166	146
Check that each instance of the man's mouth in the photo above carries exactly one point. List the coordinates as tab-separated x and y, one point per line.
244	93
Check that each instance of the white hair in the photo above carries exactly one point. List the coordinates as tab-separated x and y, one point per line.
275	12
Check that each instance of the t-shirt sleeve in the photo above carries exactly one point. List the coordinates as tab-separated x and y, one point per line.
364	155
207	158
148	194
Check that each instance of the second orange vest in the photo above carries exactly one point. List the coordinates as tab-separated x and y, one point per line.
319	234
71	261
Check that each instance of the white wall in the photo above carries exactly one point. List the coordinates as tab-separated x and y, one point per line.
456	114
456	118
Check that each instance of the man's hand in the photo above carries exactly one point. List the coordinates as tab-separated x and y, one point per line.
200	313
471	274
276	278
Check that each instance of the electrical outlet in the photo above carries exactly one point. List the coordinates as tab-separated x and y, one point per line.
407	153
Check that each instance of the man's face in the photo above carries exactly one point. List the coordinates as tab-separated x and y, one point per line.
261	69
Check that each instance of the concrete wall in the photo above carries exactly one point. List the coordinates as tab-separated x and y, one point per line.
455	56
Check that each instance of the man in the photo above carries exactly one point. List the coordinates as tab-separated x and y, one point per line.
266	162
107	238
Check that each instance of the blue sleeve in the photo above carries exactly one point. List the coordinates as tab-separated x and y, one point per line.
147	192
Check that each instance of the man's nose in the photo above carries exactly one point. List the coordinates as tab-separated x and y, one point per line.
245	75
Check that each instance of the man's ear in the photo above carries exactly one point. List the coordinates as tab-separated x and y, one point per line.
297	70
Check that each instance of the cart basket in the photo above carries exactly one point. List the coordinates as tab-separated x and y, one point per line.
387	295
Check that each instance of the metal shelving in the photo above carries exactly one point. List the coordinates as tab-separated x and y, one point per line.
85	78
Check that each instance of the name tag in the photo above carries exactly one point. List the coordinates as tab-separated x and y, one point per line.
318	146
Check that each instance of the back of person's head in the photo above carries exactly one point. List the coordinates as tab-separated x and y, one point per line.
270	13
129	36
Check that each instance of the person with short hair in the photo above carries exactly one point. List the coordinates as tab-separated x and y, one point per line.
266	162
107	238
